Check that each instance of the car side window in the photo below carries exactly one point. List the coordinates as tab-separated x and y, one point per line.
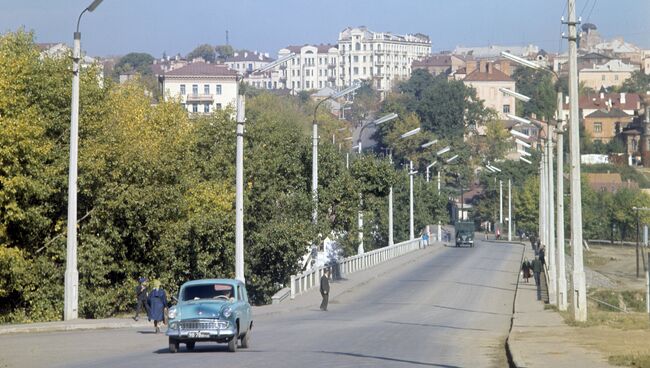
240	296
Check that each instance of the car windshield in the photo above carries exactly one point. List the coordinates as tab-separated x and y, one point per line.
207	291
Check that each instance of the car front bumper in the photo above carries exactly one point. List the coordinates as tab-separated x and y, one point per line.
201	330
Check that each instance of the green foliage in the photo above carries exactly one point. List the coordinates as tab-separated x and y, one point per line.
205	51
639	83
446	108
538	85
138	62
224	51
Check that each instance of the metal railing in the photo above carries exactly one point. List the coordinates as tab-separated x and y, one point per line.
311	278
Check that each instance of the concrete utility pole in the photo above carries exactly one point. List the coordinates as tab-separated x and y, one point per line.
509	210
542	200
439	224
552	295
579	281
411	174
314	169
500	203
71	277
561	281
239	191
390	205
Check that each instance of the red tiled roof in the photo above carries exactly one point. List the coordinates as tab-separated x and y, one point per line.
494	76
203	69
593	101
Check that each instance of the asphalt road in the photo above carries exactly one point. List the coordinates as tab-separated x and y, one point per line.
451	308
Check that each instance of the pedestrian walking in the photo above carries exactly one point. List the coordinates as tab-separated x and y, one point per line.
325	289
498	235
525	269
157	304
141	298
537	269
425	239
542	252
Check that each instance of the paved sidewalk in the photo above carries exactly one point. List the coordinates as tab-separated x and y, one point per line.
310	299
540	338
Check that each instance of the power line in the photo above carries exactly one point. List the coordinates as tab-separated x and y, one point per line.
592	9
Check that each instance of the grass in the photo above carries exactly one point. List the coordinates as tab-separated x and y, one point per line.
631	360
592	260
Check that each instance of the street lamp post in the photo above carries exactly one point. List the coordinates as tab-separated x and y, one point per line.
579	280
411	225
239	191
71	279
554	223
383	119
314	157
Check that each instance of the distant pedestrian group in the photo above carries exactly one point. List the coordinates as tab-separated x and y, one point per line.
154	302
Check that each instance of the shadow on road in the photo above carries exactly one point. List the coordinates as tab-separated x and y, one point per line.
435	326
356	355
485	286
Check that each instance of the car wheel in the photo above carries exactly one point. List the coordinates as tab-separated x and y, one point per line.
246	340
232	344
173	345
190	345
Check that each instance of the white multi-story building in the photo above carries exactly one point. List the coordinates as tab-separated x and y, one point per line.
312	67
201	87
379	57
247	62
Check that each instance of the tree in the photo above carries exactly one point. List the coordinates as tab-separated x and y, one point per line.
205	51
446	108
538	85
639	82
138	62
224	52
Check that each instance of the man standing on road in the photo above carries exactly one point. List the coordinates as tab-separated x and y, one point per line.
425	239
325	289
141	298
537	269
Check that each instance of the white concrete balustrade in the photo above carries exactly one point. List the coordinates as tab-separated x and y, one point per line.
310	279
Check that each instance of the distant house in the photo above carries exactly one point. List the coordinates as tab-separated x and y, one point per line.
630	103
486	78
610	74
201	87
608	182
439	64
605	124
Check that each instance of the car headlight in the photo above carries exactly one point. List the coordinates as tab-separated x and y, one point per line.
227	312
173	325
172	313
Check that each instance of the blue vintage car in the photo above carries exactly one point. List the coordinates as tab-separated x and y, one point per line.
210	310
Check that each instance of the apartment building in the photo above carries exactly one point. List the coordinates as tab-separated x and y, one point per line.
312	67
380	57
201	87
486	79
610	74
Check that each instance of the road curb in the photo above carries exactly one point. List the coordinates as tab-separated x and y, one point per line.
72	326
514	361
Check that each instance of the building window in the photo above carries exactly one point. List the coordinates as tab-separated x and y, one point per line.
218	89
206	108
250	67
598	127
602	77
195	90
356	71
356	59
206	89
195	108
218	106
506	109
182	89
616	77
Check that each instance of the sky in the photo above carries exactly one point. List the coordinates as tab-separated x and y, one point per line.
118	27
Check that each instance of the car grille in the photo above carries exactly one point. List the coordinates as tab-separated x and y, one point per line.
203	324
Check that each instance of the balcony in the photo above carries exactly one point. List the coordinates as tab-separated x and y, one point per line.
199	98
331	66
